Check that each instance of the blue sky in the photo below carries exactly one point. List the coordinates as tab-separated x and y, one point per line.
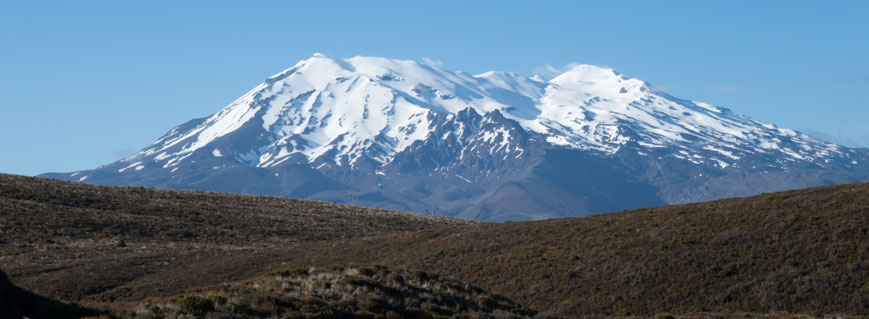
84	83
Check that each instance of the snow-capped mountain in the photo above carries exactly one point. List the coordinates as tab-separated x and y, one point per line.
405	135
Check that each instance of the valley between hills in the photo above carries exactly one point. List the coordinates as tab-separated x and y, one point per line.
131	252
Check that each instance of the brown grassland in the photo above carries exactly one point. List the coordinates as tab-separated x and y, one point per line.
796	254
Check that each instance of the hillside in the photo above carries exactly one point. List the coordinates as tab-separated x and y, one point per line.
338	292
72	240
803	251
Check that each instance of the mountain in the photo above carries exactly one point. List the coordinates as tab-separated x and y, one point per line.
803	252
496	146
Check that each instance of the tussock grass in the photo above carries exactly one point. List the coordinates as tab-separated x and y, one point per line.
339	292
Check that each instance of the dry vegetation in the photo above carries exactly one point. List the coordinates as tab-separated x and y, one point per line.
339	292
796	254
803	251
77	241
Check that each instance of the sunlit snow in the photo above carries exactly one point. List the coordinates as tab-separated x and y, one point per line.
376	107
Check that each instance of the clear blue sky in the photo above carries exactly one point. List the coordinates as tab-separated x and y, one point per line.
83	83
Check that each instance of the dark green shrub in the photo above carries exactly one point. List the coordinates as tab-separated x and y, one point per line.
217	300
486	302
195	306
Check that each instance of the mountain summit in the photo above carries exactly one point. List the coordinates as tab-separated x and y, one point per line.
404	135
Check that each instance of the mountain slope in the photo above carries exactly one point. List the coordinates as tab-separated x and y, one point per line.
804	251
403	135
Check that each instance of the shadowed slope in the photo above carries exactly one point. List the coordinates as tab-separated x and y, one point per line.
19	303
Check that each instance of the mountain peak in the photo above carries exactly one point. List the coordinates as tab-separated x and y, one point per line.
603	82
587	73
590	68
322	59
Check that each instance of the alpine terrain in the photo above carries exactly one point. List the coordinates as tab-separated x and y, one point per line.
403	135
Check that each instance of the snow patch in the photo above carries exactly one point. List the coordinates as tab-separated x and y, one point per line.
130	166
464	179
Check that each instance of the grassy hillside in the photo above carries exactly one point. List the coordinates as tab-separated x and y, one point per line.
801	251
74	241
804	251
337	293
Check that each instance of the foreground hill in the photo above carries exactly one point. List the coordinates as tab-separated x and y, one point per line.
496	146
804	251
73	240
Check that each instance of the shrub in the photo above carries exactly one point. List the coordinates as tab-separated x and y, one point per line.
195	306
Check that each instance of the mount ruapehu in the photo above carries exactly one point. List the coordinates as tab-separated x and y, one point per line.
402	135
